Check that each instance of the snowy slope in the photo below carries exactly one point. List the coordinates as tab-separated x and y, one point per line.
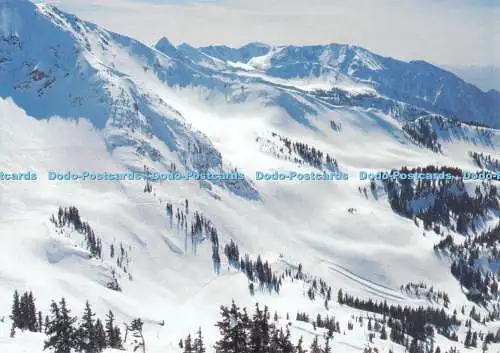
74	96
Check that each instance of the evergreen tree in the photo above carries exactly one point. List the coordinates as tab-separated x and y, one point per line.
46	324
40	322
299	348
485	346
87	333
198	343
285	342
136	328
233	338
383	333
60	330
315	346
16	315
188	346
474	339
468	339
27	312
274	342
31	313
327	348
113	335
100	335
413	346
256	331
265	327
118	338
109	328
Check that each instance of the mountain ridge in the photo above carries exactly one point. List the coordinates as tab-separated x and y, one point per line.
394	78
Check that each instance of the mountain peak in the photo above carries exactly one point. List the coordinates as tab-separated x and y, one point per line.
242	54
164	42
164	45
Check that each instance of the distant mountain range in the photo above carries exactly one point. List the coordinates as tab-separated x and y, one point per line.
416	82
485	77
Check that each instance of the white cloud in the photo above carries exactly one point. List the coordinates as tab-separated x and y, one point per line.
450	32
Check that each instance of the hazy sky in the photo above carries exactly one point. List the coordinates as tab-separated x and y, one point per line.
444	32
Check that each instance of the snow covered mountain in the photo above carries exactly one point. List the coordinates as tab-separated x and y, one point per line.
76	97
416	82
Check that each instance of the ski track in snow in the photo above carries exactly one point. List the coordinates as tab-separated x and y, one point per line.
371	287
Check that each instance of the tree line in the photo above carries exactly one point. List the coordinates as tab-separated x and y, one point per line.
71	216
482	284
242	332
256	271
311	155
65	332
68	217
447	201
485	161
423	134
415	322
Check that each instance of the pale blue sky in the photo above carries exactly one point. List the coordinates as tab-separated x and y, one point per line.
445	32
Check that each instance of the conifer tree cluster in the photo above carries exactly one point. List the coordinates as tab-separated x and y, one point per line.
242	332
232	253
304	317
66	333
414	322
196	345
113	283
169	209
421	290
70	216
482	285
318	286
492	337
485	161
336	96
471	337
87	334
24	315
448	202
122	256
256	271
328	322
335	126
423	133
299	152
135	328
310	155
214	239
201	229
